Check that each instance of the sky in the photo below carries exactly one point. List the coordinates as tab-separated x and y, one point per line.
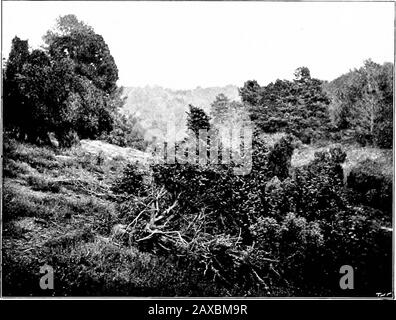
182	45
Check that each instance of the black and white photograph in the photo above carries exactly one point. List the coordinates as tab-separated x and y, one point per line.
197	149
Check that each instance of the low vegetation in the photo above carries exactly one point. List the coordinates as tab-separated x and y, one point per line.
58	208
108	229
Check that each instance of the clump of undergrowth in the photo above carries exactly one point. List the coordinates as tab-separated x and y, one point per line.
132	181
371	187
274	230
198	230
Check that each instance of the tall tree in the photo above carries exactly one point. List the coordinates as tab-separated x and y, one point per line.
302	74
250	92
72	38
197	119
298	107
69	88
220	108
362	101
13	100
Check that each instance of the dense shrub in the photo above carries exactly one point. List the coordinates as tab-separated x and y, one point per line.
131	180
290	229
280	156
371	186
383	136
320	185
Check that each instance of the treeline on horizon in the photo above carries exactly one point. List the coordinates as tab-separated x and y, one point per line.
68	89
357	105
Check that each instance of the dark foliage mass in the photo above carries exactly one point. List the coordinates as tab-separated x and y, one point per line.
370	186
298	107
131	181
197	120
357	105
277	230
67	90
362	104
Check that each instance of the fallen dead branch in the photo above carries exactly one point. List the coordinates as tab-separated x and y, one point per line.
158	226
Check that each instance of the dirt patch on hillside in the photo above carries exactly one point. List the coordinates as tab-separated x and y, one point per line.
112	151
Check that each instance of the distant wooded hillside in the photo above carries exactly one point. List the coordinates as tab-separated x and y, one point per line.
157	106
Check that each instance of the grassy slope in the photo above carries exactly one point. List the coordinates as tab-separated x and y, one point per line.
58	210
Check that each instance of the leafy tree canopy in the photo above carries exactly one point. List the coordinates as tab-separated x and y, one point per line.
197	119
68	87
362	101
298	107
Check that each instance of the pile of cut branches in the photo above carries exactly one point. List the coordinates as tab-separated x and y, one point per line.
157	225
